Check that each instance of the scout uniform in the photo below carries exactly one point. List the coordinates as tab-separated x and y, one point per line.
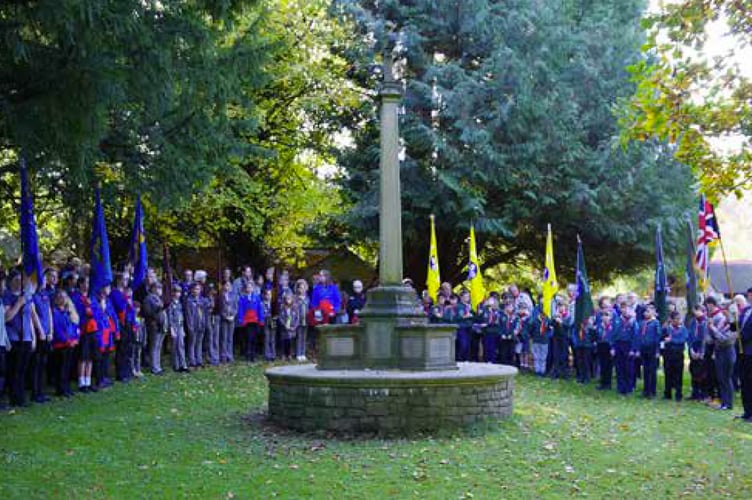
250	318
175	325
289	321
195	326
583	339
540	334
507	334
228	310
64	339
698	368
674	344
604	343
646	344
492	319
156	325
623	338
301	303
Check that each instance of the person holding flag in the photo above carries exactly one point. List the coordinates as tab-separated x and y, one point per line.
433	279
583	334
550	285
21	321
100	282
477	296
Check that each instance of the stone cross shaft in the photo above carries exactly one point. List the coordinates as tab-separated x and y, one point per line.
390	203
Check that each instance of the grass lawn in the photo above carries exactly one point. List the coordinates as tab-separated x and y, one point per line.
201	435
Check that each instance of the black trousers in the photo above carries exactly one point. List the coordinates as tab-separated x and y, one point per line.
606	364
582	360
711	381
506	352
20	356
673	365
63	360
250	334
39	367
745	374
560	358
3	370
649	371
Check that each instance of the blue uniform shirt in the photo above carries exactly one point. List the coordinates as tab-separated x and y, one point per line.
648	335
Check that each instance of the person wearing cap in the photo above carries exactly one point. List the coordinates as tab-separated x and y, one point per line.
175	325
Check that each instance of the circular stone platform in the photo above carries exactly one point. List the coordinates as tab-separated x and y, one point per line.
304	398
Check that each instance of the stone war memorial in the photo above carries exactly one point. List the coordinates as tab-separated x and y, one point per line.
394	373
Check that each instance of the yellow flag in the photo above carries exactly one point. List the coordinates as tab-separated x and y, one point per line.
477	291
550	285
433	280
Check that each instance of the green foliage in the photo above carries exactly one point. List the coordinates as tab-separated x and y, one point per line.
694	98
203	435
142	87
508	121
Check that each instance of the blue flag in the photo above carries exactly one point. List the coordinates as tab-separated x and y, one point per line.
660	297
583	308
101	270
32	261
137	253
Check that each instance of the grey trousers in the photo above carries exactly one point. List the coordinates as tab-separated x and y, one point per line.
196	348
178	351
226	333
540	353
156	339
214	340
725	357
270	342
300	341
136	354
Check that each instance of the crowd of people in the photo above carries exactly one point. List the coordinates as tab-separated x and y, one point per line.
622	337
65	333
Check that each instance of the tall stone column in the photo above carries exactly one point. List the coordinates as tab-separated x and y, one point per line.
390	223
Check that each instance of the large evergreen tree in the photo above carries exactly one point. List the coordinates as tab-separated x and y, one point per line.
508	121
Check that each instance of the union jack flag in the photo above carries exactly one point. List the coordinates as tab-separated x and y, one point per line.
707	236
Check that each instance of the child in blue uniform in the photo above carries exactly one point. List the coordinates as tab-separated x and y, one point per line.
64	340
604	341
583	339
491	330
540	335
465	320
562	324
646	344
250	319
675	337
507	335
623	353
